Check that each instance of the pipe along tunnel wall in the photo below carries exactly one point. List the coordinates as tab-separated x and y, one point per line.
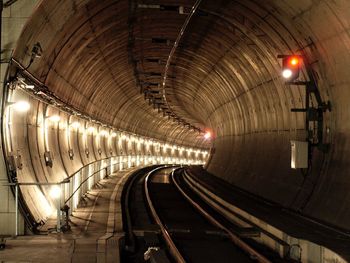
226	77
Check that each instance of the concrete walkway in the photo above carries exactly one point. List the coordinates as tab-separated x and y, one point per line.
96	228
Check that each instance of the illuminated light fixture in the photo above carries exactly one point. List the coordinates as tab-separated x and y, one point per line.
55	192
123	137
291	66
75	125
23	84
114	134
29	86
103	133
54	118
207	135
294	61
21	106
287	73
91	129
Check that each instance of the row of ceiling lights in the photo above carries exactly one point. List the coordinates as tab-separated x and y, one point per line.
24	106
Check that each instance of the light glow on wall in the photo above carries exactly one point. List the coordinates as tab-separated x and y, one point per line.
91	129
103	133
54	118
21	106
55	192
75	125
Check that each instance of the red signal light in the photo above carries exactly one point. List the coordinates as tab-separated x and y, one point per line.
294	61
207	135
291	67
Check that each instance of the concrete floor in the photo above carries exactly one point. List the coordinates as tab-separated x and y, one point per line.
95	231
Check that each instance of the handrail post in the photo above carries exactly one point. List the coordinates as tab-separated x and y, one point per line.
59	211
16	212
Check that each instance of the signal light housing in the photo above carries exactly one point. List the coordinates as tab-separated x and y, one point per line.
208	135
291	67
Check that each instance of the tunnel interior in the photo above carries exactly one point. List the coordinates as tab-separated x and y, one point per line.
107	60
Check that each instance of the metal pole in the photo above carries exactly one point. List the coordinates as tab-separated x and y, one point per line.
59	213
16	212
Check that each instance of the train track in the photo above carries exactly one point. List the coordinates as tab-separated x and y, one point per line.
180	226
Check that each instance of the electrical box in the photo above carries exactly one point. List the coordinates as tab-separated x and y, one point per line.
48	159
14	161
71	154
299	154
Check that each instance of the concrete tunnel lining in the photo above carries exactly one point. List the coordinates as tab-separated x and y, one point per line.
226	78
32	135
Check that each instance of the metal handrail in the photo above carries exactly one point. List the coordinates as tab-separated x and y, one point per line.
106	167
81	168
68	180
70	197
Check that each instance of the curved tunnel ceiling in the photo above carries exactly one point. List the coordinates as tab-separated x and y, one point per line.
225	75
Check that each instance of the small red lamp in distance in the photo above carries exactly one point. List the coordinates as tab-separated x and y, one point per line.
207	135
291	67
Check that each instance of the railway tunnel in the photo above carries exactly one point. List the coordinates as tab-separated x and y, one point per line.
91	87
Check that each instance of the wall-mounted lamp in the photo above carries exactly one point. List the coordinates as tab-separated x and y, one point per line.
54	118
21	82
55	192
91	129
103	133
75	125
20	106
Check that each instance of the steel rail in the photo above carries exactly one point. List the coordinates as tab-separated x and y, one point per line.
130	242
236	240
170	243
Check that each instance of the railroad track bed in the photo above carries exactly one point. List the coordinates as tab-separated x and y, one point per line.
159	218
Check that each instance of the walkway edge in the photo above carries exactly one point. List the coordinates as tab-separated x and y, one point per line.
114	221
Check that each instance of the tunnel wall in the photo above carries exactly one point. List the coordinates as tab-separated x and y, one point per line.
85	61
227	78
40	150
13	20
254	129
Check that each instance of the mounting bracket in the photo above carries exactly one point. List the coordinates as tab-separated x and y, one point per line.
314	114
